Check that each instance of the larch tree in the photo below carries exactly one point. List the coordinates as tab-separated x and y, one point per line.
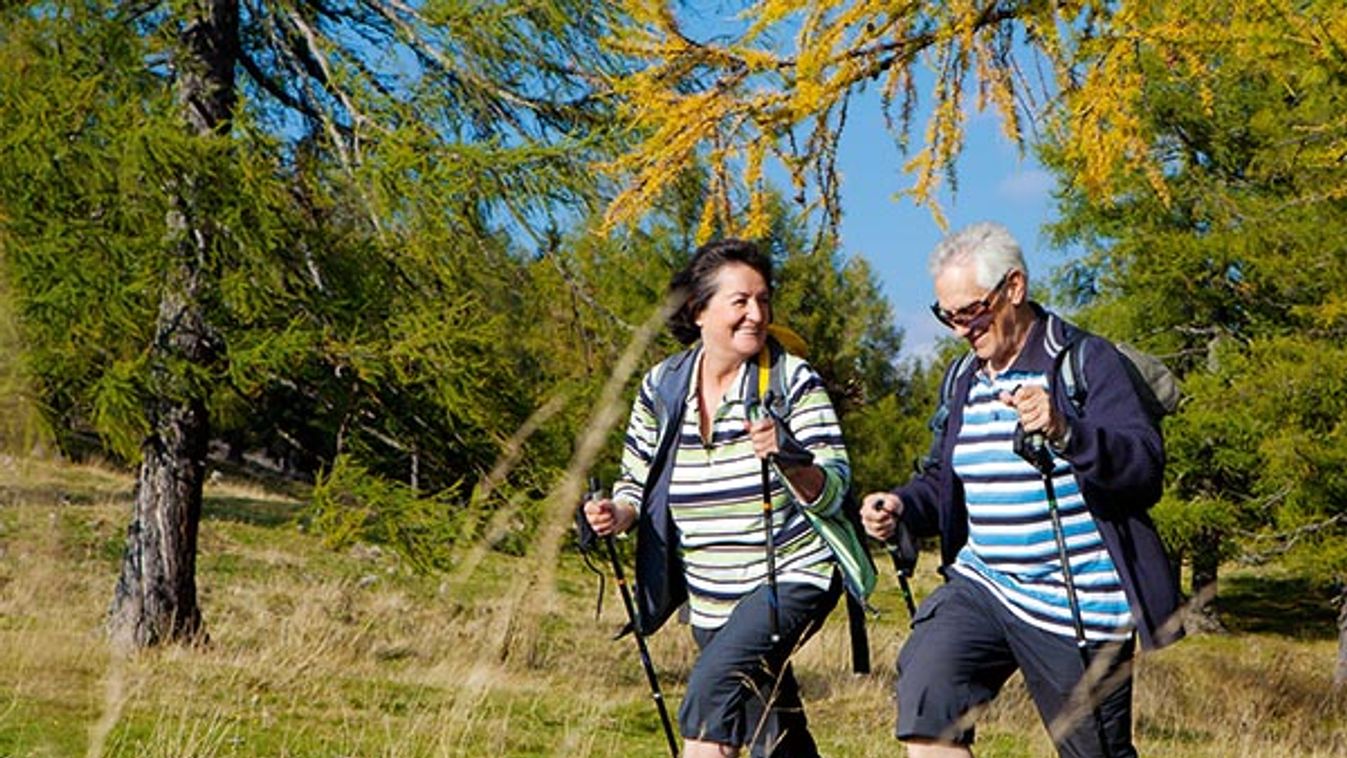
155	597
1232	266
775	85
252	200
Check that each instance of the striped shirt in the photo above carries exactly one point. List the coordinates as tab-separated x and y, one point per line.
1011	548
715	491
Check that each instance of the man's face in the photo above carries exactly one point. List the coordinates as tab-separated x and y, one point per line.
983	316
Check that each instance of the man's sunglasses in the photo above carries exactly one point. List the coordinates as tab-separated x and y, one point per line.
976	314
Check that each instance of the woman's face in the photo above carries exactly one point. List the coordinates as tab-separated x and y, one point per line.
734	321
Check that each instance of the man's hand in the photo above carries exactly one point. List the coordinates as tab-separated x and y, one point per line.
879	514
1037	413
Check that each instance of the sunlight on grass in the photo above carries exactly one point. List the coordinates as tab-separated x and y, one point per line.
321	653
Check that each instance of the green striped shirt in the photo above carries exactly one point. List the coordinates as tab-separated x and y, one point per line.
715	491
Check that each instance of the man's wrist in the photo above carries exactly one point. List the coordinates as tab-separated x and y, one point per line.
1062	440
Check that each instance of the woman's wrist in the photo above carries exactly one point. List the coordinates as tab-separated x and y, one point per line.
808	482
624	516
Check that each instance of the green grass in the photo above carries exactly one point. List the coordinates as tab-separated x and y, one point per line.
316	652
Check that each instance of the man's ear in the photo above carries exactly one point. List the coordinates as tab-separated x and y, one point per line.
1021	287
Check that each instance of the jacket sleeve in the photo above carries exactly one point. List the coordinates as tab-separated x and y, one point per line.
638	445
923	493
814	425
921	496
1114	448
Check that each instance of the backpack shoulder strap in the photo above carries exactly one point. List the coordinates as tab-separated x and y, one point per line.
769	380
955	370
1077	384
1156	386
1066	342
778	384
940	419
672	377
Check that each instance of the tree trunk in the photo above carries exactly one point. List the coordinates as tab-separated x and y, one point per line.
1202	615
1340	670
155	599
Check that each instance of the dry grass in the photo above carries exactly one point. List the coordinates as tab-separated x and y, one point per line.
314	653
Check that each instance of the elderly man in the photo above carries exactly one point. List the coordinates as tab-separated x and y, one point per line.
1009	602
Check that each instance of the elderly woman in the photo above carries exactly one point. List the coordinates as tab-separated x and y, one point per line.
1010	602
706	511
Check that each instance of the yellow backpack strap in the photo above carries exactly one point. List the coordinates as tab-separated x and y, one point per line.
788	339
764	371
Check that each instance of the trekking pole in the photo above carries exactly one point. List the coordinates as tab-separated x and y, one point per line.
655	693
772	597
1033	448
903	552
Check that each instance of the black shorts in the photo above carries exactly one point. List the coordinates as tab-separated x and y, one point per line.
733	678
964	646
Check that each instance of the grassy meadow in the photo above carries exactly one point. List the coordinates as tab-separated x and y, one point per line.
315	652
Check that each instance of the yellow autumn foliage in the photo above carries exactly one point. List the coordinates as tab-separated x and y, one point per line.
774	86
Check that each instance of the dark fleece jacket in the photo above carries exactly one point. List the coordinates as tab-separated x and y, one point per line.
1117	456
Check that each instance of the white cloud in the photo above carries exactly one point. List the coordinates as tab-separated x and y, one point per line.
921	332
1026	187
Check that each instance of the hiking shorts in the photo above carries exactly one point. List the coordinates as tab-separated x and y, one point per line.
733	678
963	647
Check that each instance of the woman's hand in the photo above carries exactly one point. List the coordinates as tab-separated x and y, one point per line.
608	517
763	434
806	479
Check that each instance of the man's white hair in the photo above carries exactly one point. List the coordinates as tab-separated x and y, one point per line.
988	246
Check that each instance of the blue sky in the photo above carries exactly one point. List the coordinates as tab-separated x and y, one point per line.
996	183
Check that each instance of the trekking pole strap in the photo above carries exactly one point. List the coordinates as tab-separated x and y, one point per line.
903	568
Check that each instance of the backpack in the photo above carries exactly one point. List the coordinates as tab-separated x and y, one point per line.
1155	385
843	532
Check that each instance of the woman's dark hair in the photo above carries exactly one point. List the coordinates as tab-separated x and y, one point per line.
698	280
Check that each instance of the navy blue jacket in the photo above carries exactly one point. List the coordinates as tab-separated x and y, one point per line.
1117	456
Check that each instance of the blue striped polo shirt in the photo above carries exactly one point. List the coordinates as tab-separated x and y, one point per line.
1011	548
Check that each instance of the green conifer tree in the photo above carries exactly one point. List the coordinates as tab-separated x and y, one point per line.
1234	270
231	214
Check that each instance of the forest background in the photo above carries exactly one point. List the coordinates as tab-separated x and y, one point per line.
404	262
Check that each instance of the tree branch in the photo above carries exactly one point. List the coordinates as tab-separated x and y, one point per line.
274	88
